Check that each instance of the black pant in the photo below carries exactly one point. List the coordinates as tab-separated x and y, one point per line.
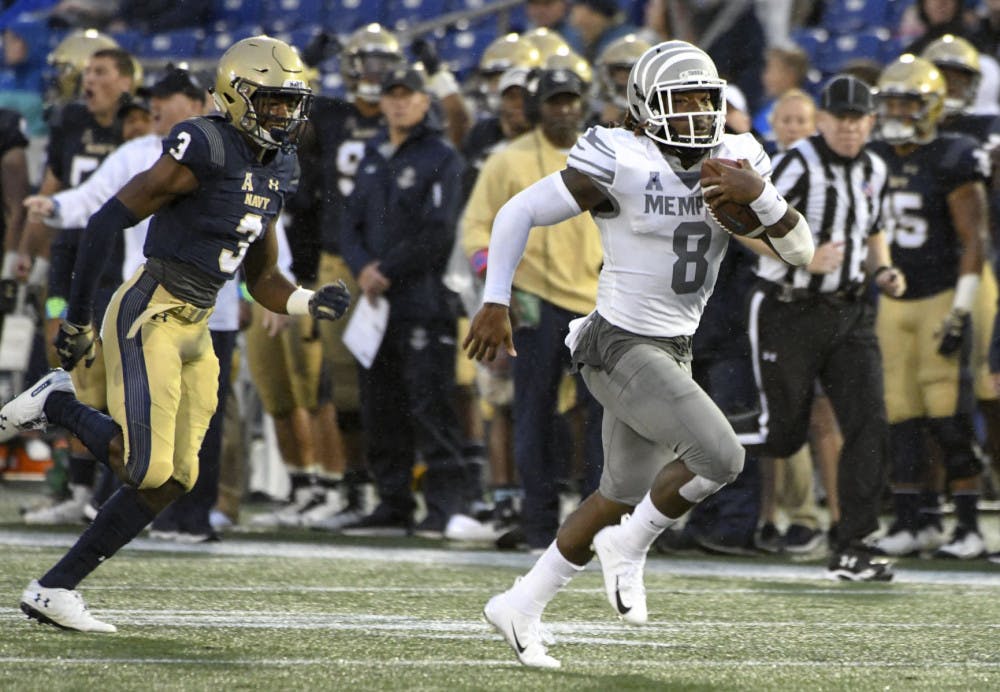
407	401
833	341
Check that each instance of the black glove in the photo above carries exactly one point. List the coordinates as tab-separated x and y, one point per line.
8	296
75	343
952	332
427	54
330	301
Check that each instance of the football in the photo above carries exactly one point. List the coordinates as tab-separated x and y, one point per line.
738	219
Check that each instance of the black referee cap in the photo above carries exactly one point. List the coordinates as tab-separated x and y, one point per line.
846	94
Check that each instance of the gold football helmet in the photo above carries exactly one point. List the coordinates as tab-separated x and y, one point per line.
70	57
958	60
614	65
261	85
910	98
546	41
369	54
509	52
567	59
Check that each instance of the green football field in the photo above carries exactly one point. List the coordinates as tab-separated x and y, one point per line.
299	611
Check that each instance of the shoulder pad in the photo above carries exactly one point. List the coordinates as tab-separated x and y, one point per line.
197	143
595	154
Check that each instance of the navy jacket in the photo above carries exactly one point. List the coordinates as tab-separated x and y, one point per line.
403	212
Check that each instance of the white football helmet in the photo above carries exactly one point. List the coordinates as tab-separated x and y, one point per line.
668	68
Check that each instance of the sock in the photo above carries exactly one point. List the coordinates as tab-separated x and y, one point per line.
329	481
300	479
120	520
907	506
95	429
81	470
644	526
930	508
533	591
965	510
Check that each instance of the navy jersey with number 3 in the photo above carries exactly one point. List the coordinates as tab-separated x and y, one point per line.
238	197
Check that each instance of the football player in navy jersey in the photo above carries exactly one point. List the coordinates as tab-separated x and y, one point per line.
959	63
83	133
214	194
935	214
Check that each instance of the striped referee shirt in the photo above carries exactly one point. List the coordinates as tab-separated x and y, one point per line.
840	198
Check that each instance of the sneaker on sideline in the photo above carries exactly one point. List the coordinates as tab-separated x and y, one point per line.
965	544
71	511
522	632
855	564
332	503
800	539
26	411
463	528
623	578
303	500
768	539
61	607
898	542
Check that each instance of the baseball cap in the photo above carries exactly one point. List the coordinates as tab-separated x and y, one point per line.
128	102
177	81
407	77
561	81
846	94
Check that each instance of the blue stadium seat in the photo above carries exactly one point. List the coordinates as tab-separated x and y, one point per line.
238	12
408	12
461	49
294	13
867	45
128	40
843	17
183	43
816	44
343	16
218	43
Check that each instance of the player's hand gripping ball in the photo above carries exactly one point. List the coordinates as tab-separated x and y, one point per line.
738	219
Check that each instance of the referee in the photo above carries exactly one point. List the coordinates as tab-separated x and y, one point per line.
815	324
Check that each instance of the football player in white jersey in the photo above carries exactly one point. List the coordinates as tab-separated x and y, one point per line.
667	446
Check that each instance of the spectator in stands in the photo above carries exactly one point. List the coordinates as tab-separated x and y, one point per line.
729	32
928	20
600	22
151	16
556	282
25	45
792	118
784	68
554	15
397	234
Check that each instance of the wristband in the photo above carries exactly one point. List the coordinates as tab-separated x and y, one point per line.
245	292
769	205
298	302
478	261
56	308
965	292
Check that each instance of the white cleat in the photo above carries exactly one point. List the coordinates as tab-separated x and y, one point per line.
523	633
931	538
332	504
966	544
71	511
26	411
623	578
465	529
902	543
61	607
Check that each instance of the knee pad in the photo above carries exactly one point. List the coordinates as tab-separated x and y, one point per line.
698	488
955	436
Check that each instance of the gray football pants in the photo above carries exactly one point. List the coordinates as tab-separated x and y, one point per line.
655	412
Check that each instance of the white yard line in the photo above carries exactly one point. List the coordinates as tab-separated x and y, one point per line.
748	568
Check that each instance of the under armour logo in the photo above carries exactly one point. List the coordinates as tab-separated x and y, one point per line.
769	356
161	316
272	184
654	181
848	561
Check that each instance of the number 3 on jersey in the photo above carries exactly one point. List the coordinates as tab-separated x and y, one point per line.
251	226
183	141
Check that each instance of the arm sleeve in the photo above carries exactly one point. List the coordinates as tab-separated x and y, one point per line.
434	238
92	256
545	203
